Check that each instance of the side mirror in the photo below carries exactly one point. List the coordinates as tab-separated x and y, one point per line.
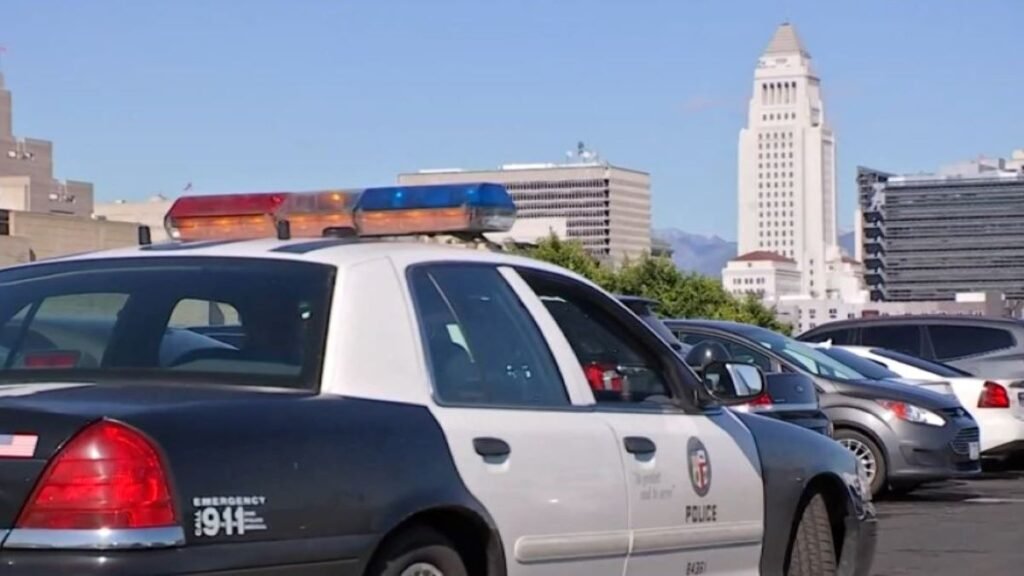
732	383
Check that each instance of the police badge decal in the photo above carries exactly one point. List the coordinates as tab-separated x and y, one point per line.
700	466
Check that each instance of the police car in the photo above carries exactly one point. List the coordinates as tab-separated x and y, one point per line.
312	384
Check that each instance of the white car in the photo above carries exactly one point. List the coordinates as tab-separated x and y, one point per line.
997	405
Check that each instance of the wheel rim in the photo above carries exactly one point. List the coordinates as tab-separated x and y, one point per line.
422	569
864	454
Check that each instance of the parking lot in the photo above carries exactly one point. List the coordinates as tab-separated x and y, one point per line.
956	528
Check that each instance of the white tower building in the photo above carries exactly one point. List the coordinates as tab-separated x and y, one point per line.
787	165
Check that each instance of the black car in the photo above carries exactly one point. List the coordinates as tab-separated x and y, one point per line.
985	347
904	436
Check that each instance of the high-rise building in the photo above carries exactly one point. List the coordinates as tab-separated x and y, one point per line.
787	182
932	236
607	208
787	173
26	172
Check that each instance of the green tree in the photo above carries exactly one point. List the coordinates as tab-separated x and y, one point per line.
571	255
681	295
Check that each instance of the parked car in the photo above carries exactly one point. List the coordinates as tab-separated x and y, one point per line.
646	310
985	347
788	397
386	408
877	371
997	405
904	436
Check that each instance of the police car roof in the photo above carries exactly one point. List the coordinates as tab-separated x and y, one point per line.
337	252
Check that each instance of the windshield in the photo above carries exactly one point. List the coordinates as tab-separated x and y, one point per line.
867	367
802	355
245	321
936	368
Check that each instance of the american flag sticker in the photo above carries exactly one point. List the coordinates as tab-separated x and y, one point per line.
18	445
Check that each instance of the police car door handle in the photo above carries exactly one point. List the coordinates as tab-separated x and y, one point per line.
639	445
491	447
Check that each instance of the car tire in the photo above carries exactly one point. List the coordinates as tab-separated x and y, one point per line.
813	552
418	552
865	448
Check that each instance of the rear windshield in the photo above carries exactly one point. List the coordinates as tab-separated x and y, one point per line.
942	370
246	321
869	368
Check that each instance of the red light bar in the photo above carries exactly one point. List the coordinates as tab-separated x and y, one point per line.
236	216
248	216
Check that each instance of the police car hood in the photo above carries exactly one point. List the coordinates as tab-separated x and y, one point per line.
895	391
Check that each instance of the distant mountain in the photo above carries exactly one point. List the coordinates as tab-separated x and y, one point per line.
697	253
848	242
708	255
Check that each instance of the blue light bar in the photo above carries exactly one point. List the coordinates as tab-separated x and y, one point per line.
436	196
449	208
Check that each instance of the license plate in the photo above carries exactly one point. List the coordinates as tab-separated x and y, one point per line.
1020	398
975	449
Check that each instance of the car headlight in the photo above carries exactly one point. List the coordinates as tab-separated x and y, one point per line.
911	413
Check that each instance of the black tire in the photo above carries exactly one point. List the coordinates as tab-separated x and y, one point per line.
880	481
813	552
418	546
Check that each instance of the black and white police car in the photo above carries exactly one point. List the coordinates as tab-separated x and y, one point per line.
290	388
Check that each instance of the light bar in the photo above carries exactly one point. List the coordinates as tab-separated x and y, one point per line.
470	209
229	216
312	215
451	208
248	216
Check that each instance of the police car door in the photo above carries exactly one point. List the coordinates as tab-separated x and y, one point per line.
548	472
696	503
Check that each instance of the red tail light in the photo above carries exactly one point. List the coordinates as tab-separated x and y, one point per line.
993	396
602	376
761	401
52	359
108	476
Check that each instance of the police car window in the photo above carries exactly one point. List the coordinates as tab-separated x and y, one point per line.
617	368
483	345
65	330
152	319
199	324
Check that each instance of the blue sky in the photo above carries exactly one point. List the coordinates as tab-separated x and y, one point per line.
144	96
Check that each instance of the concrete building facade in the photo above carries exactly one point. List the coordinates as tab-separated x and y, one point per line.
766	275
607	208
26	172
931	236
787	158
787	192
150	212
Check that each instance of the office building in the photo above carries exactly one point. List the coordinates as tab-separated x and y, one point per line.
931	236
40	216
607	208
26	172
787	182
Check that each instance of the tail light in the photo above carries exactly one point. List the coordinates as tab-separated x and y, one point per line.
993	396
108	476
602	376
763	400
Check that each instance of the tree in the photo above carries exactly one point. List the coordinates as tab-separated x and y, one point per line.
571	255
681	295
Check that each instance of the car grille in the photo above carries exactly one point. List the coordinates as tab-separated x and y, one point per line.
962	443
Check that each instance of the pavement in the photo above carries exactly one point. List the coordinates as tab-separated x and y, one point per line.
972	527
